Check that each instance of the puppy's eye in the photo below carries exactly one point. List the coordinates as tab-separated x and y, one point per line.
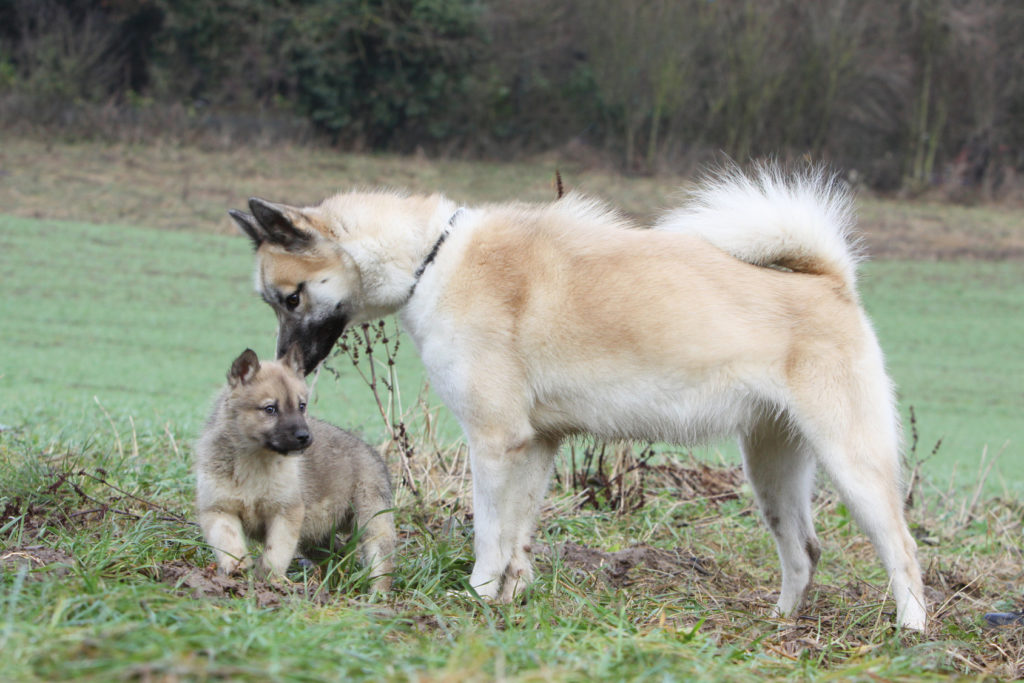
302	406
292	301
271	409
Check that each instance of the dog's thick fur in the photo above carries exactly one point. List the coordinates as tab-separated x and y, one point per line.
737	313
265	471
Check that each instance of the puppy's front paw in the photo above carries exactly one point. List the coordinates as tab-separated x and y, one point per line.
230	566
267	572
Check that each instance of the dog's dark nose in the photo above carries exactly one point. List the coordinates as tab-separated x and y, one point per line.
302	436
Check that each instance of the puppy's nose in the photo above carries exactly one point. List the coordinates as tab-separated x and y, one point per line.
302	436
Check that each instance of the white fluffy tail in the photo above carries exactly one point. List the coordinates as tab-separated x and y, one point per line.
801	222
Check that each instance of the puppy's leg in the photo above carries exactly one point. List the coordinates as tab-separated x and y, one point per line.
377	542
510	478
780	467
223	532
282	541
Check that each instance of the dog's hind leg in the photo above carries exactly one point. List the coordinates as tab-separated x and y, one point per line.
781	467
510	479
856	437
377	547
864	472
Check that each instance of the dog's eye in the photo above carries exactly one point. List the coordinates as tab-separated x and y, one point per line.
271	409
302	406
292	301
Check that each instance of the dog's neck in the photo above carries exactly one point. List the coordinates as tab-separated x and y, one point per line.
390	277
433	250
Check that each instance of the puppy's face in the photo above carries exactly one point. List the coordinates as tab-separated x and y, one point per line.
268	402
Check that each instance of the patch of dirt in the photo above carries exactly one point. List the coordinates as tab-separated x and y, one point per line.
185	578
36	557
206	582
615	566
183	187
940	231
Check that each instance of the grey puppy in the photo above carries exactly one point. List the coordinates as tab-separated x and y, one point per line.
267	472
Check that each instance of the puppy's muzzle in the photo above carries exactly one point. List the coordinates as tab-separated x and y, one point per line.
290	440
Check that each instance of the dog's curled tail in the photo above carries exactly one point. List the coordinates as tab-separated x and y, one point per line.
800	221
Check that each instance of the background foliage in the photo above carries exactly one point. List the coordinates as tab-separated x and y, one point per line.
904	94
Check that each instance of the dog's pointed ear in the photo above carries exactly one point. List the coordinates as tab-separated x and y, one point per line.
247	223
244	368
293	359
279	223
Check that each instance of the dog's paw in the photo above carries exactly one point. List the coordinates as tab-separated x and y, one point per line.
229	566
515	584
381	585
265	572
485	590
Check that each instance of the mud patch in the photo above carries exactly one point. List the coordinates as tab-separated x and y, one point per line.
198	582
206	582
36	558
615	567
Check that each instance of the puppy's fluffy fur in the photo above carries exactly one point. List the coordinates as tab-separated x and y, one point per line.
264	471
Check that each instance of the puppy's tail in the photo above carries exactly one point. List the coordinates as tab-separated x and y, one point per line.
801	222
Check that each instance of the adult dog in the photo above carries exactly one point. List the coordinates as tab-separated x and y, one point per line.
737	313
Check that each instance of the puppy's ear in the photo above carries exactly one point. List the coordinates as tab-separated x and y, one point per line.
293	359
280	224
247	223
244	368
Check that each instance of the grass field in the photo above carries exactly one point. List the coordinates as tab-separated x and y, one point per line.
114	340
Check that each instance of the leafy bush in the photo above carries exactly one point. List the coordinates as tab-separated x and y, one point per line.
907	94
370	72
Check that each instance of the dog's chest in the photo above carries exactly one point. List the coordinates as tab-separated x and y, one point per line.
262	489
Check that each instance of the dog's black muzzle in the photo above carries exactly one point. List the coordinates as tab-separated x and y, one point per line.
315	338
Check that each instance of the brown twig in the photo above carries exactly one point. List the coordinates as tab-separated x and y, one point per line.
389	412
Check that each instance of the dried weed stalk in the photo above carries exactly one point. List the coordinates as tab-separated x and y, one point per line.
371	349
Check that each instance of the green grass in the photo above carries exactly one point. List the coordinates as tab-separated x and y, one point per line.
953	335
114	340
101	612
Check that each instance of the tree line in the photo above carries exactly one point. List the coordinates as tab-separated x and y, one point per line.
902	93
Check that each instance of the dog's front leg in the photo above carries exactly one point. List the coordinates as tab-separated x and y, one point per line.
281	542
223	532
508	487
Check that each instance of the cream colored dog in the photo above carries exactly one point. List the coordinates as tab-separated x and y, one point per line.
736	314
